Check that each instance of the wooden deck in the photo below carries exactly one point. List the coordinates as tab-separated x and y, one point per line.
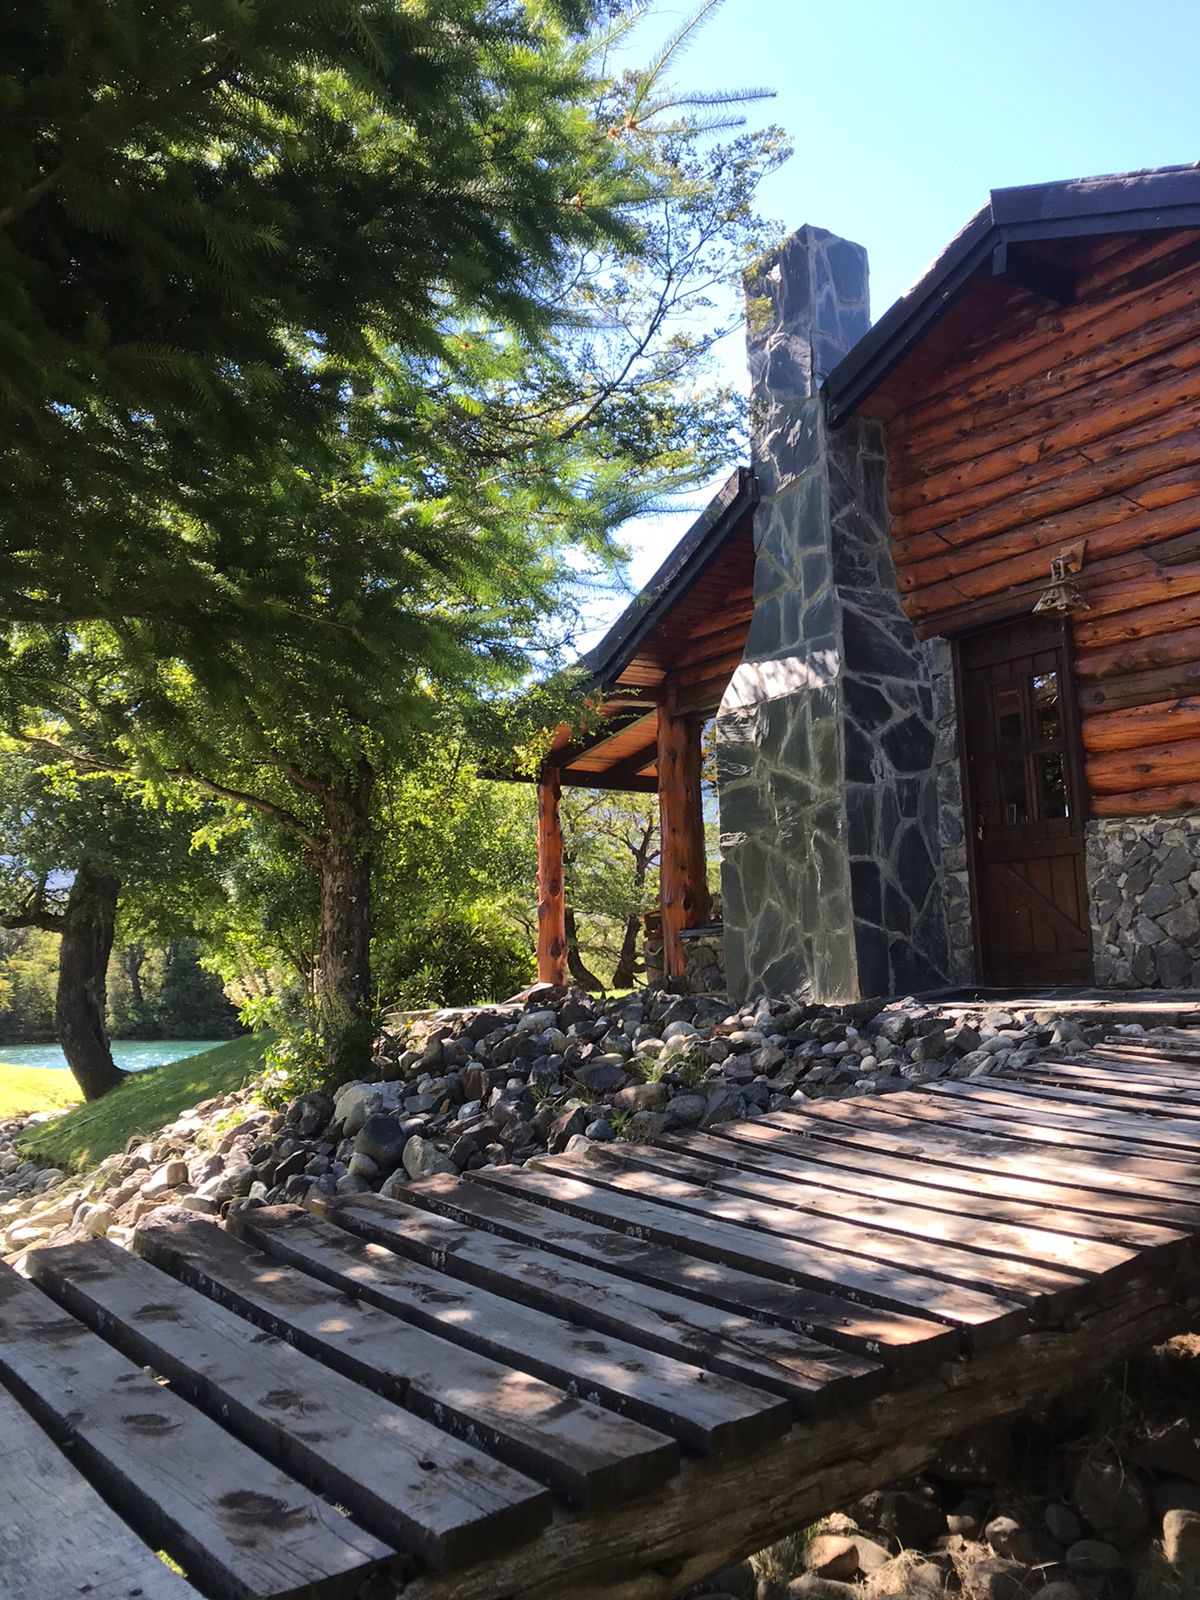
609	1376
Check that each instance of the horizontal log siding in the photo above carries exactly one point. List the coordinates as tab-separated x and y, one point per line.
1056	425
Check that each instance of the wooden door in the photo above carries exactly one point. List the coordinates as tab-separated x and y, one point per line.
1024	804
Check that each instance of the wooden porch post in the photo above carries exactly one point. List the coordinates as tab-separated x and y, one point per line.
552	904
683	886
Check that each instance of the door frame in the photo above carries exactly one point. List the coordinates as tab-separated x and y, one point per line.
1073	747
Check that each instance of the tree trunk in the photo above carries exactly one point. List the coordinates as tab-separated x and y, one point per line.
575	962
87	938
627	963
626	968
135	956
343	979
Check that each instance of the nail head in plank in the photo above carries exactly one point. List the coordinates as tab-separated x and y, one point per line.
709	1413
981	1318
901	1343
814	1377
585	1454
183	1484
57	1537
404	1480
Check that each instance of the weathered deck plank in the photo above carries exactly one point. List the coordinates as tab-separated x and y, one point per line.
924	1246
586	1455
710	1414
902	1343
913	1214
235	1523
1153	1123
404	1480
814	1376
872	1169
1163	1172
1013	1235
945	1134
57	1536
981	1318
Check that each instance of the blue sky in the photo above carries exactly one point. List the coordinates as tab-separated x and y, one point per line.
904	113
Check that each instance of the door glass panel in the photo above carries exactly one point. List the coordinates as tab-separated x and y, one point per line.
1014	800
1046	717
1008	716
1052	785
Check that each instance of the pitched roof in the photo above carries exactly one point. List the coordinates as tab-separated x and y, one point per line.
1130	202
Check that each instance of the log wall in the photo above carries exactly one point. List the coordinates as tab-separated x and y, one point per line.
1060	425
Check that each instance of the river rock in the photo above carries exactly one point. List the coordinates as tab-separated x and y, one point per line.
382	1140
422	1159
831	1555
1092	1556
1181	1538
1110	1498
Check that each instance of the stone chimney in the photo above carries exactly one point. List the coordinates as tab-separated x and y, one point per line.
825	738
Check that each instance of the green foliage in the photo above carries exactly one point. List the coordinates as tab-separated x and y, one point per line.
143	1103
611	855
463	956
179	998
340	337
28	973
686	1062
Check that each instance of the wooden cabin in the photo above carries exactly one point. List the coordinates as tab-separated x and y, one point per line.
949	624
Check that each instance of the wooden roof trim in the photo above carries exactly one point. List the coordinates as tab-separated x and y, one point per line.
686	563
1133	202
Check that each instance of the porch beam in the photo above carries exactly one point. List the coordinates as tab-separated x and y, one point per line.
683	885
552	903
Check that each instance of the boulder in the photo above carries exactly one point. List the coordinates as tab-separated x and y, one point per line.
912	1518
687	1109
1110	1498
354	1103
382	1140
1173	1452
996	1579
1092	1556
1181	1538
831	1555
1021	1541
423	1159
1063	1526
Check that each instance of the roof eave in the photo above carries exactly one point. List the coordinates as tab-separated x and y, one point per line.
1125	203
606	660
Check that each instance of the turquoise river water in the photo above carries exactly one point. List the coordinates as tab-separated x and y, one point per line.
134	1054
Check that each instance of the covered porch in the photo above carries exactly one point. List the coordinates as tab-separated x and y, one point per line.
654	680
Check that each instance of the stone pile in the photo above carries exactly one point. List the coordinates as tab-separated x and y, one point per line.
1068	1516
500	1086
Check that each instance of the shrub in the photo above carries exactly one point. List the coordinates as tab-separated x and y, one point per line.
458	958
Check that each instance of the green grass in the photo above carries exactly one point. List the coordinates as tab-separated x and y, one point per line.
26	1089
149	1099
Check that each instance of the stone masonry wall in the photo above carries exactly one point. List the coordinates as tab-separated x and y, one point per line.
889	736
826	739
952	830
1144	886
785	873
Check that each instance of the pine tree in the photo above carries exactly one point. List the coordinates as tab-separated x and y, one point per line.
347	334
